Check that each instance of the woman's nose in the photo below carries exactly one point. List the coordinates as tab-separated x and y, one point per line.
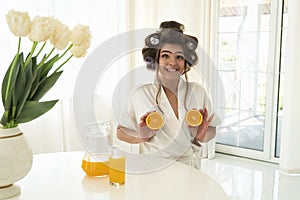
172	60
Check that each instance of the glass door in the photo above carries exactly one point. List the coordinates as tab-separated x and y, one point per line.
248	66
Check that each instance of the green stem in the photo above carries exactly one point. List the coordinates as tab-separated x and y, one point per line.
19	45
11	71
70	46
58	58
46	58
6	114
31	52
41	49
11	124
13	112
50	53
63	63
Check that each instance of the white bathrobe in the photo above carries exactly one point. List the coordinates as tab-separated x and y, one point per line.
173	140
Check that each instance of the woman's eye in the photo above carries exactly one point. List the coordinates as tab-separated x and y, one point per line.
165	56
180	57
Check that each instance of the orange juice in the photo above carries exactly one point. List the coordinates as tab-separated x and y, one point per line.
97	165
117	170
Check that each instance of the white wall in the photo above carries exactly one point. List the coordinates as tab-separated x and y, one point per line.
290	135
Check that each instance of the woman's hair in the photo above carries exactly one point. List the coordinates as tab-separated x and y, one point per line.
170	32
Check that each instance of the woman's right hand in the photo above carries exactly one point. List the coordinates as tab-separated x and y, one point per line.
143	134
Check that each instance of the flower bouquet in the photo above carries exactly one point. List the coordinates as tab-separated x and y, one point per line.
30	76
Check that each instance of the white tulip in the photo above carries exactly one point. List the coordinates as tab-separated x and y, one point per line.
80	51
19	23
80	35
41	28
61	35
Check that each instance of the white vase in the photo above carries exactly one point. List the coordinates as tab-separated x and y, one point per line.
15	161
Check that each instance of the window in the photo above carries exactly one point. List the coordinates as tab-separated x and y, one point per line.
245	35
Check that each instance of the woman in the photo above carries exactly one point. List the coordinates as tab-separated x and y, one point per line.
170	53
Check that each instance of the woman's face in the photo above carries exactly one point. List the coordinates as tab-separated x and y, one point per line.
171	61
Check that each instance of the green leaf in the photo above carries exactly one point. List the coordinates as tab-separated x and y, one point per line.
20	83
4	118
35	72
34	109
32	67
38	72
46	67
45	85
8	82
41	72
30	73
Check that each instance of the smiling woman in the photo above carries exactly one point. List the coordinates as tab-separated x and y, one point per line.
171	53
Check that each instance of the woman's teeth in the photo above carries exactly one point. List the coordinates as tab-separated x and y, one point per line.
171	69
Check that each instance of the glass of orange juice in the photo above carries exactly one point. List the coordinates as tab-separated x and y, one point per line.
116	167
96	158
96	164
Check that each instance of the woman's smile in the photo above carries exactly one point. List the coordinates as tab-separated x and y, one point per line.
171	69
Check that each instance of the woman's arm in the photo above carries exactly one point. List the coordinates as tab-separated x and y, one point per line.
128	135
134	137
208	135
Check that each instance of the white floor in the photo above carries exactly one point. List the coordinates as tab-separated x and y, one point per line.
246	179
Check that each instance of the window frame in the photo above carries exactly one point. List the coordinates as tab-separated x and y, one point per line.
273	66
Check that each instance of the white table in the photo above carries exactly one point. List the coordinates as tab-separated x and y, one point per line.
59	176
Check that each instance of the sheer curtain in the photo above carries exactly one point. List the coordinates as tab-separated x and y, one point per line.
56	130
208	59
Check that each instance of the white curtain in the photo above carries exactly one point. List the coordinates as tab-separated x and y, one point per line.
56	130
208	59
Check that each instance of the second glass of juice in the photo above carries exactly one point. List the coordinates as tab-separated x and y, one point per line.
116	167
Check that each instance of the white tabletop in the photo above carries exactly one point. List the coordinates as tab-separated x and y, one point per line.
59	176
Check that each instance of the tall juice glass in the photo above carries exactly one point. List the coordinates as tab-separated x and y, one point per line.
116	167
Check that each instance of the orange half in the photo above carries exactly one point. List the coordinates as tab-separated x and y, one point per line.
155	120
193	118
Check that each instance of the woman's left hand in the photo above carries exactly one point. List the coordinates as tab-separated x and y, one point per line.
199	132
